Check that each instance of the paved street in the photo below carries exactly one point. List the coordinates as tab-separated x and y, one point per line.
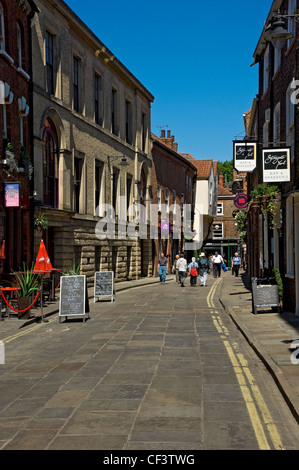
162	367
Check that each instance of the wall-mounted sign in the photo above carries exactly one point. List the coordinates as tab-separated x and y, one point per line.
244	156
12	194
165	227
276	165
241	201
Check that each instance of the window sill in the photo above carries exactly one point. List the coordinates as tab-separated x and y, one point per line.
7	56
22	72
290	276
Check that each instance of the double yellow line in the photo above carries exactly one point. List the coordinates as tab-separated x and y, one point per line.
258	411
210	297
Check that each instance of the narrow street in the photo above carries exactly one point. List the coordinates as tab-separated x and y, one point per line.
162	367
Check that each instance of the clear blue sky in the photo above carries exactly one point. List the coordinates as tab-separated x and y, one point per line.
194	56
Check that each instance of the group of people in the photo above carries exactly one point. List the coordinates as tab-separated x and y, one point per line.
201	268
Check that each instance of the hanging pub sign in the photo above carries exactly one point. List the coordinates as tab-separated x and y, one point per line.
276	165
12	194
244	156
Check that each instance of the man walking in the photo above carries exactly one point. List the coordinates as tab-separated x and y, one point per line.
182	267
162	266
175	269
236	262
217	261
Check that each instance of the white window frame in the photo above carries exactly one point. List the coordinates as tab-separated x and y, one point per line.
220	206
218	233
266	70
276	124
290	121
290	237
2	28
291	22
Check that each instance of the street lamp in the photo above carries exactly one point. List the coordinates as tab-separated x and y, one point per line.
123	161
276	32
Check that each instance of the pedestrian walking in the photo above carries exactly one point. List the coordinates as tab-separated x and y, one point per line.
236	262
175	269
204	268
217	261
193	266
162	266
182	267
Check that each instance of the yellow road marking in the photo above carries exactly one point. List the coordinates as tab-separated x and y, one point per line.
241	369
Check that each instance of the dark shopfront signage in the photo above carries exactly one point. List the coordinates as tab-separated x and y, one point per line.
73	297
244	156
264	294
103	284
276	165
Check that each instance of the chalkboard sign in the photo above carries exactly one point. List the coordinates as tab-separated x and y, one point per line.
264	295
72	300
103	284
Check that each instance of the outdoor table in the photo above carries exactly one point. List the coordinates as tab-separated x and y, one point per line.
7	291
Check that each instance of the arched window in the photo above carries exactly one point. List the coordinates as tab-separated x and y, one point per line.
50	164
2	28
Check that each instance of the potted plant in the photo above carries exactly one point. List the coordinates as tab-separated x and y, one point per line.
41	222
267	195
279	284
28	283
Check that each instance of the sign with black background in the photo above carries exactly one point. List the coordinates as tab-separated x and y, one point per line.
103	284
72	300
244	156
276	165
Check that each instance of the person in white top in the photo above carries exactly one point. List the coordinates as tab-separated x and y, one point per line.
182	267
217	261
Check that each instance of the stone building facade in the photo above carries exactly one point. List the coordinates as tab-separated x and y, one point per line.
91	146
173	178
15	125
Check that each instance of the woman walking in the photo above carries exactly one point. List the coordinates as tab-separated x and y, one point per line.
193	272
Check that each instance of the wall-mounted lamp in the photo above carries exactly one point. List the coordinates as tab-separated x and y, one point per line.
123	161
276	32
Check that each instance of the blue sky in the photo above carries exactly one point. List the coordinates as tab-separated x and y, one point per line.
193	56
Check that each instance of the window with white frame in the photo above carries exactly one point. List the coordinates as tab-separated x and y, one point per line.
276	124
19	45
219	208
159	197
218	230
167	200
290	121
266	134
266	70
2	28
290	236
291	22
277	59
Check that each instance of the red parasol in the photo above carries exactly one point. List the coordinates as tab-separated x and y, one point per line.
43	262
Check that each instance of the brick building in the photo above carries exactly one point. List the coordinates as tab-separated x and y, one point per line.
173	178
15	124
91	115
274	124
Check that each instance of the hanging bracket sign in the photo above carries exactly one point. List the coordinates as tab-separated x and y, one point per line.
276	165
244	156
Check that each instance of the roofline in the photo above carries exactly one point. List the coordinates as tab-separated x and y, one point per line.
156	139
262	43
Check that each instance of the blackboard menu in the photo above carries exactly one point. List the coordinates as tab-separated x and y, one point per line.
72	296
264	295
103	284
